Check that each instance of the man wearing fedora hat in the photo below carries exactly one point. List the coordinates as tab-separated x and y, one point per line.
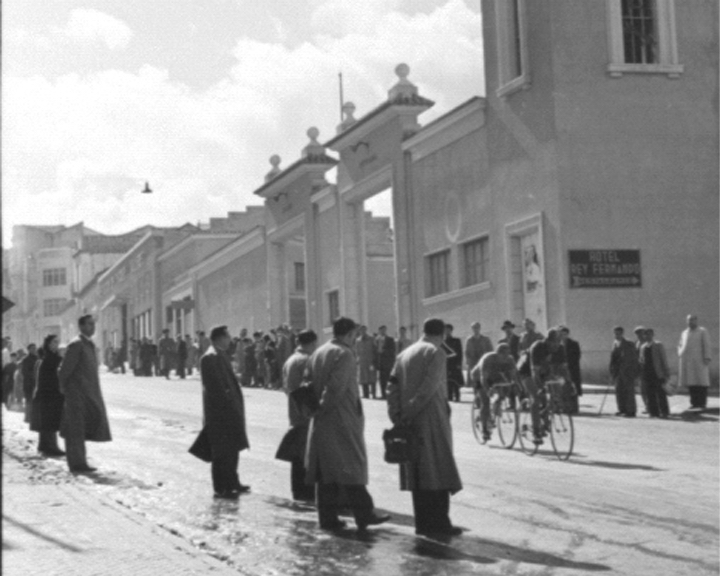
511	339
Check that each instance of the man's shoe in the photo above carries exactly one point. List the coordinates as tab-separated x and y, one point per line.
242	489
373	520
336	525
452	531
228	495
82	469
56	452
629	415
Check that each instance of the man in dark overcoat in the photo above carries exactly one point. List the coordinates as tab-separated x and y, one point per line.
572	357
166	349
384	357
417	398
224	415
624	369
336	455
454	363
181	356
84	416
27	367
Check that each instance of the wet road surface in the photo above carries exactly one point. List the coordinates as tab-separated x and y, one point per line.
639	496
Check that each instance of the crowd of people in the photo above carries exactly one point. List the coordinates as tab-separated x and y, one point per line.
61	393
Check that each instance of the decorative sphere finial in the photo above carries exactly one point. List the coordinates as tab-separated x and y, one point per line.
402	70
275	160
313	133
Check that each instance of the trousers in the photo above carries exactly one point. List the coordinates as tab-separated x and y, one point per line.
223	471
432	510
75	452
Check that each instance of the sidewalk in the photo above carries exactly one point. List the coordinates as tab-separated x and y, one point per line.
53	525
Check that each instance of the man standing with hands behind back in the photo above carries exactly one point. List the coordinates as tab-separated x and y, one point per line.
417	397
224	415
336	455
84	416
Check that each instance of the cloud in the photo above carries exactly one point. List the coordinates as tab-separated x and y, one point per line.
81	147
87	25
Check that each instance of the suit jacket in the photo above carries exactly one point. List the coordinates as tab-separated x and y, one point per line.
624	360
385	352
84	414
572	355
659	358
455	362
514	343
476	348
223	404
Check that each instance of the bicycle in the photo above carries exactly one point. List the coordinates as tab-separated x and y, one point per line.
503	414
554	421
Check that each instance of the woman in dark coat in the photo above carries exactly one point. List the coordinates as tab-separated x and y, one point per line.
47	406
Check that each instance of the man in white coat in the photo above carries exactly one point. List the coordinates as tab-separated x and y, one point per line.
417	398
694	357
336	455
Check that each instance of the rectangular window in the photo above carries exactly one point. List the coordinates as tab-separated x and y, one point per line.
52	306
642	37
639	37
299	276
333	306
511	46
438	273
54	277
475	255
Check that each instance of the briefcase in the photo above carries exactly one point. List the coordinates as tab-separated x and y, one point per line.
305	397
397	445
292	446
202	448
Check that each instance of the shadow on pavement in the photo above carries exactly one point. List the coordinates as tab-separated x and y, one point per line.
615	465
38	534
500	551
387	543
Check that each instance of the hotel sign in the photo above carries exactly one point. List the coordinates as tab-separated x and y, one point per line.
605	269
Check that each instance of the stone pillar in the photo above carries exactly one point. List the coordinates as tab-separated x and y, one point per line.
313	270
277	283
351	292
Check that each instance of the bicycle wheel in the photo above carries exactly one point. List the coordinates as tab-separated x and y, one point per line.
562	434
506	423
476	422
525	428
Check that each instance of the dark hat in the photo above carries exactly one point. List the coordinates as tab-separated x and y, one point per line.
218	332
434	327
507	324
343	326
307	337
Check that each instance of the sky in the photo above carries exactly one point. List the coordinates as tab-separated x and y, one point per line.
194	96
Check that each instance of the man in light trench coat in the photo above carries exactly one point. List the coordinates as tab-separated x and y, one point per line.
84	416
417	397
336	454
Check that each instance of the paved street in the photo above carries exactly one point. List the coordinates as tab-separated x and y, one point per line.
639	496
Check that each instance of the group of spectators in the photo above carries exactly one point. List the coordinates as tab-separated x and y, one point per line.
59	393
644	364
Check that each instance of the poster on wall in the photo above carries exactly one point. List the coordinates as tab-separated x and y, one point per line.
533	269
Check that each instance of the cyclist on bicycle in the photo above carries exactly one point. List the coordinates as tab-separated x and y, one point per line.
493	368
548	362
